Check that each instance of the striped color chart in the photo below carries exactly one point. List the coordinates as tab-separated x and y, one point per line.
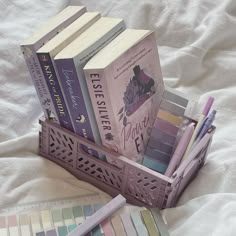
49	218
166	130
59	221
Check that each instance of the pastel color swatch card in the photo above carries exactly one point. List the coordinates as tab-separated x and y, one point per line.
166	130
59	219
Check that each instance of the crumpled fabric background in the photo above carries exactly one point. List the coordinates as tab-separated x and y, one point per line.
197	47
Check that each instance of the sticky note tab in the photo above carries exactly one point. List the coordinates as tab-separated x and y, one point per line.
62	231
154	164
35	222
164	115
3	226
51	232
138	223
161	225
78	214
128	225
150	223
13	226
117	226
40	233
46	219
68	216
2	222
88	211
24	225
98	206
57	217
71	227
107	228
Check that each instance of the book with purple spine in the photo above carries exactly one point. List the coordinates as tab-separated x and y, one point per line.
69	64
29	47
46	56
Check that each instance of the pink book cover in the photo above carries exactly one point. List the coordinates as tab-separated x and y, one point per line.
132	87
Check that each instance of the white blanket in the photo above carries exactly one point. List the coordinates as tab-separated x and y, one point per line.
197	50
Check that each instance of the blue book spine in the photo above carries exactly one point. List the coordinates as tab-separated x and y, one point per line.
75	100
55	90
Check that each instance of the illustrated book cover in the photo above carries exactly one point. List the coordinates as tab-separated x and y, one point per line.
125	85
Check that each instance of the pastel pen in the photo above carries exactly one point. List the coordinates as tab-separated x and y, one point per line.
199	124
100	215
180	150
206	126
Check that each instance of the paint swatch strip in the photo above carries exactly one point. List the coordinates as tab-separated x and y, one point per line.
150	224
128	225
62	221
3	226
171	107
165	132
175	97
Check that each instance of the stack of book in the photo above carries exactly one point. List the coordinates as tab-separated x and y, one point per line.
97	79
104	82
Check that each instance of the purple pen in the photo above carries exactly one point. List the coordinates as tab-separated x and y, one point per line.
207	124
201	119
180	149
208	106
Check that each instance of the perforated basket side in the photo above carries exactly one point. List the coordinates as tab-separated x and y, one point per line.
99	170
140	185
65	147
189	169
145	184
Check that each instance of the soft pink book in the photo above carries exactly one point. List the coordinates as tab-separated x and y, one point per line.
125	85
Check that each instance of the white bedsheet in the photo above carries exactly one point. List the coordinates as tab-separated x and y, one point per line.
197	50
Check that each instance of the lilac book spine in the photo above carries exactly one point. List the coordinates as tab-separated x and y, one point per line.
39	82
29	51
75	100
55	90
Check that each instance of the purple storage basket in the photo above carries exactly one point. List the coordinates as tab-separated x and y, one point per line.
138	184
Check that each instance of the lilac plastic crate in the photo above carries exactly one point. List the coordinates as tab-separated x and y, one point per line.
138	184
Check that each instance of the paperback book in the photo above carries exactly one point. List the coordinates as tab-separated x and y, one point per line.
125	85
37	40
46	56
69	65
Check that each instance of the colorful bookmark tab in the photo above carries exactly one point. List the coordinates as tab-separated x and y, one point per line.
40	234
138	223
62	231
25	225
128	225
159	222
3	226
107	228
71	227
67	215
88	211
150	223
117	226
12	226
46	220
51	232
164	115
78	214
35	222
57	217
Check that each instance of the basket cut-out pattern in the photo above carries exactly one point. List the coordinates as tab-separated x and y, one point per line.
145	186
61	147
140	185
91	166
